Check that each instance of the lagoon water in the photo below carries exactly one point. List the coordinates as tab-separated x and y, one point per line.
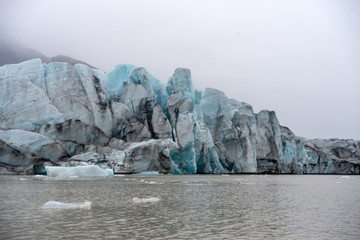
188	207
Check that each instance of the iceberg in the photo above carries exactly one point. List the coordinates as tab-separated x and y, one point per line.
146	200
62	205
148	173
78	171
110	172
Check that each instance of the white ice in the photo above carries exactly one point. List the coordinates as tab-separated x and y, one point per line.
148	173
62	205
78	171
146	200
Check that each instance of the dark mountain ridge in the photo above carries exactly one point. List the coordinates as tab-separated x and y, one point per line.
12	52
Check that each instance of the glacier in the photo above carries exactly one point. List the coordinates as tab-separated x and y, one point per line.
128	121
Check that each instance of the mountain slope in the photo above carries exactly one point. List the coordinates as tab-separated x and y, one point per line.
14	52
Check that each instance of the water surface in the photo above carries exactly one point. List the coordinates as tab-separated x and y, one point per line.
190	207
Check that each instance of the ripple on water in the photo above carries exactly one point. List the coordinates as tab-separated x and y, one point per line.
189	207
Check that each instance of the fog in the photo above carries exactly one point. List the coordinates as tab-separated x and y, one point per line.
298	58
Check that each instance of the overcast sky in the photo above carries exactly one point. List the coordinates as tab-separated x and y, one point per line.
299	58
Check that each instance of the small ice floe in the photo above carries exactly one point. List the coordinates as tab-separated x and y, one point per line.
146	200
40	176
22	179
249	183
225	175
148	173
345	177
148	182
89	171
196	183
62	205
151	182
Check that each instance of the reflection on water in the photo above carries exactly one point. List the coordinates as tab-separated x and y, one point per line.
190	207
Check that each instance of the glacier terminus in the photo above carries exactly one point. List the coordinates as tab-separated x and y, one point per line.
129	121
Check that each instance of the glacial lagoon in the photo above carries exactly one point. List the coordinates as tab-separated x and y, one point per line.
182	207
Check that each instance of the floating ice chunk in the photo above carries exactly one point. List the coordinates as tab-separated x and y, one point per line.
22	179
62	205
148	173
78	171
345	177
41	177
146	200
151	182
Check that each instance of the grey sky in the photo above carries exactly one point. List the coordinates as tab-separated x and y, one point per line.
299	58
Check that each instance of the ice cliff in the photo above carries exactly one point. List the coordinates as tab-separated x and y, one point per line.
57	114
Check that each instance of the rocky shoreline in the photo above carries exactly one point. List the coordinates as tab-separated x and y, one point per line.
57	114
